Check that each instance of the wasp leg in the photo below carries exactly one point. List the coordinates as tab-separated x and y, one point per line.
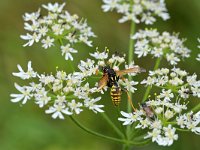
96	71
129	99
100	88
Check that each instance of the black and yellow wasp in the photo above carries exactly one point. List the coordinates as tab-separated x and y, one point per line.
111	77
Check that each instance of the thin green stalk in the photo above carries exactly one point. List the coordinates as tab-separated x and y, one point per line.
118	116
130	59
196	108
149	87
131	43
112	125
104	136
95	133
184	130
126	147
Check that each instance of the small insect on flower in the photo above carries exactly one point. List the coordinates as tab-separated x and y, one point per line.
111	77
148	110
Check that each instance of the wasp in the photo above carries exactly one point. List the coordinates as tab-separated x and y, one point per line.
111	77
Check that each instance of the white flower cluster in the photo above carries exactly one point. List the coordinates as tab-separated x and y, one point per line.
57	26
137	10
189	121
166	114
63	94
198	57
160	45
167	118
176	81
90	67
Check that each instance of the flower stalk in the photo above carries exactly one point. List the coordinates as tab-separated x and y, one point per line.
107	137
149	87
130	59
114	127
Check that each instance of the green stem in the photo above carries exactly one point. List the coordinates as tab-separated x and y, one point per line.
126	147
149	87
185	130
112	125
106	137
95	133
130	59
122	127
131	43
196	108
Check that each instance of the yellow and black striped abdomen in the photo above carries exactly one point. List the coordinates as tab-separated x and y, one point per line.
116	93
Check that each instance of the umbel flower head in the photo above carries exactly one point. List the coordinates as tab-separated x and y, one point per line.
137	10
151	42
168	112
57	26
61	94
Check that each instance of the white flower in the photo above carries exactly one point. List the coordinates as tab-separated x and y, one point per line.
48	42
198	57
43	31
109	5
98	55
61	75
85	40
129	117
183	92
87	67
143	123
42	100
192	79
57	110
25	75
46	79
90	103
167	95
158	110
181	121
57	8
169	114
31	16
170	134
24	96
31	27
67	50
172	58
149	81
31	38
129	85
155	135
142	48
57	29
75	106
157	124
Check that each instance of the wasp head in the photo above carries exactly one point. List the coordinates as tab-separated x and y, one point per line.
106	69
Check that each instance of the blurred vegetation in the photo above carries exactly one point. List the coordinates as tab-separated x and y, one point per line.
28	127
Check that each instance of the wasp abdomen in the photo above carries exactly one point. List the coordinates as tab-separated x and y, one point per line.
115	93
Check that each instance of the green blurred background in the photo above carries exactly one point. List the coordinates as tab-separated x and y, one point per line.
28	127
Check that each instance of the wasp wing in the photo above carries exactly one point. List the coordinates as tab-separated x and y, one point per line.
135	69
103	82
